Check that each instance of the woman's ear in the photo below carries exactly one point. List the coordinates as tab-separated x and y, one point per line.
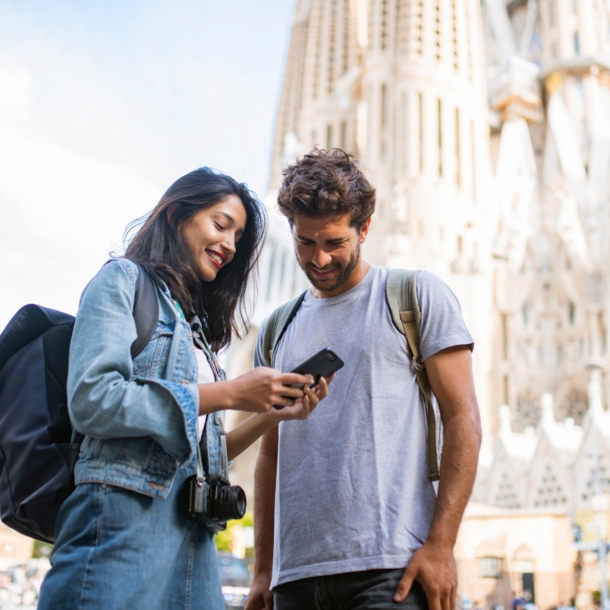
171	212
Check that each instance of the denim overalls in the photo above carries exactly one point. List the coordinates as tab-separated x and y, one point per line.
122	538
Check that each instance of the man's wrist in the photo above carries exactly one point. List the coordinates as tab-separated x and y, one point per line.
262	573
440	540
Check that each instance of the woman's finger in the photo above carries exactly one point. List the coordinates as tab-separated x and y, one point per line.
287	413
290	392
285	401
312	399
322	388
295	378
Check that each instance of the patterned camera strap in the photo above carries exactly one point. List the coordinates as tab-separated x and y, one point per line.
203	461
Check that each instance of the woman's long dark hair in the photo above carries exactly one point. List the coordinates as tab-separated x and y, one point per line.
158	247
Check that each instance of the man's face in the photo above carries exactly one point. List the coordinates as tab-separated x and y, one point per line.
327	249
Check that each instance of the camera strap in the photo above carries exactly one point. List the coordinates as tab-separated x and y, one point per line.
203	458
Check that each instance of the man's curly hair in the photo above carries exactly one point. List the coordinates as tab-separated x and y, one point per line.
326	183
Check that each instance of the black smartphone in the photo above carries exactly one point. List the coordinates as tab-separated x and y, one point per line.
322	364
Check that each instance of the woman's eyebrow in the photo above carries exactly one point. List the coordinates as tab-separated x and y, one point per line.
231	220
228	217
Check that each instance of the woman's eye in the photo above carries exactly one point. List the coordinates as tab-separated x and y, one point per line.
219	226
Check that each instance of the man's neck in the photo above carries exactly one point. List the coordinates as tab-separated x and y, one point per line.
356	276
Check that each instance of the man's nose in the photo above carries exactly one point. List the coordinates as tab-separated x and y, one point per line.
321	258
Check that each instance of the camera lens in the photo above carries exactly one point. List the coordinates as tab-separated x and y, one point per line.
231	503
330	356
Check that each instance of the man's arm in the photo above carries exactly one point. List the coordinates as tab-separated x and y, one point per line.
260	596
433	565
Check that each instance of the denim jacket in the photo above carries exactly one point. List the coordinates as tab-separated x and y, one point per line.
138	416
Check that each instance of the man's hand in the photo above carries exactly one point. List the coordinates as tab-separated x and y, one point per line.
260	597
433	566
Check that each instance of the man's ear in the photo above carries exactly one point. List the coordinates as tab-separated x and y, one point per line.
364	230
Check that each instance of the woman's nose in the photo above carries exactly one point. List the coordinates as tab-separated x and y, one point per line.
229	245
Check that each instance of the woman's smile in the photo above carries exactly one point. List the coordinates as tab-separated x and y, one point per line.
216	257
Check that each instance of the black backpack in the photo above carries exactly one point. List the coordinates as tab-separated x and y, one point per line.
38	446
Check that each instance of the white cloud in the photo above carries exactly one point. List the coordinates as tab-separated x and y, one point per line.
61	213
15	91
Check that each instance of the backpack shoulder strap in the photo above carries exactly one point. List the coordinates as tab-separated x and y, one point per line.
277	324
145	311
401	295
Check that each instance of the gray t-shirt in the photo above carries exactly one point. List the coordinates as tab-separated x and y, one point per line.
352	487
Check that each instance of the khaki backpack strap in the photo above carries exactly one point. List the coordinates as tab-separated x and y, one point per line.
401	294
277	324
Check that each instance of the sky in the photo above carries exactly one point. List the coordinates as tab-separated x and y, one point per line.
103	105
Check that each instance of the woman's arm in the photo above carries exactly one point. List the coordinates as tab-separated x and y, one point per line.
239	439
103	399
256	391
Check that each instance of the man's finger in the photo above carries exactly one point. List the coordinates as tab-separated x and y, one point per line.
404	586
446	600
433	595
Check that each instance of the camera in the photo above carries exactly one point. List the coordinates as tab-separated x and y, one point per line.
330	357
211	501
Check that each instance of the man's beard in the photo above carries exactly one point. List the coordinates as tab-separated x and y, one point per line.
344	273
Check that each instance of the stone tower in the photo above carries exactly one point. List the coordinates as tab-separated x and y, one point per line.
317	104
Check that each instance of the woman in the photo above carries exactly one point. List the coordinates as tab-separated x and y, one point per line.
124	538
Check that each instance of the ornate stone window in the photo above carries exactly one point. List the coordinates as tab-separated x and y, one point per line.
574	405
550	492
589	485
491	567
527	412
506	496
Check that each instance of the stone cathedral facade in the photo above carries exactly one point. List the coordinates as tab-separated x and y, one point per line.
485	128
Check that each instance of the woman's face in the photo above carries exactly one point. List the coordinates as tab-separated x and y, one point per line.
212	235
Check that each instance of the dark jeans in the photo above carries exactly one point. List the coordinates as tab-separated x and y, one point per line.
368	590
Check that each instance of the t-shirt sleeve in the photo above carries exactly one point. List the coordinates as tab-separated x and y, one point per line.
442	323
259	359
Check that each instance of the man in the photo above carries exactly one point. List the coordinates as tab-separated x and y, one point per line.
345	514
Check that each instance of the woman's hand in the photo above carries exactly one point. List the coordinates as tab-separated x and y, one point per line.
254	427
303	408
258	390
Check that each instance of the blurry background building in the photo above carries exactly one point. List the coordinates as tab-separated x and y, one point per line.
485	128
